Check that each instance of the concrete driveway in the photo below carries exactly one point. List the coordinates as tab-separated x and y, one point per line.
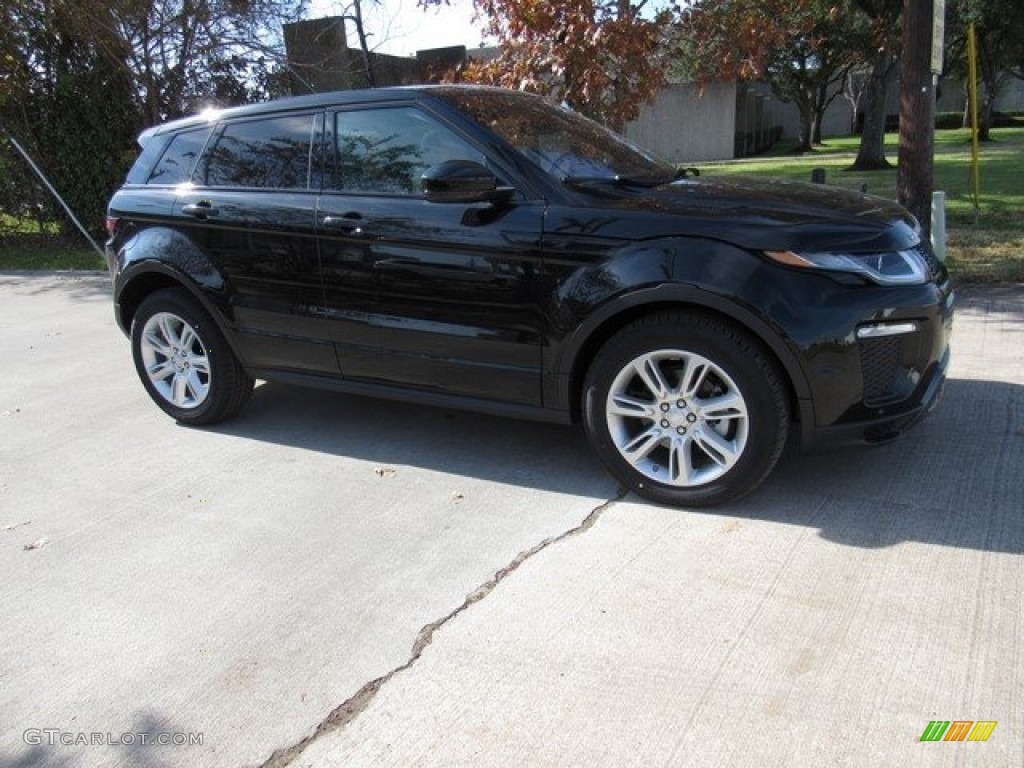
331	581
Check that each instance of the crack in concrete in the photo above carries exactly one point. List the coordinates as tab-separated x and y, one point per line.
350	709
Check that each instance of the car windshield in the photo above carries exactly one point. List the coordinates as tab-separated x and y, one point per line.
560	142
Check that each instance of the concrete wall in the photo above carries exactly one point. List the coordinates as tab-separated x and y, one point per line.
758	115
838	116
954	96
684	125
1011	99
320	60
318	55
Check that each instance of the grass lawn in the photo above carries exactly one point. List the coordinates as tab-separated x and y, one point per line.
24	246
990	247
48	255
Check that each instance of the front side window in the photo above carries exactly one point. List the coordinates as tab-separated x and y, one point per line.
385	151
178	160
271	153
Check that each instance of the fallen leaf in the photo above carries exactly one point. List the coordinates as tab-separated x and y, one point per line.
456	496
37	544
385	471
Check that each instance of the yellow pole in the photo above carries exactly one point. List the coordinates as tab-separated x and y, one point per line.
972	95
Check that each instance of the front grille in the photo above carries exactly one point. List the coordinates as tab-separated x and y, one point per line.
880	368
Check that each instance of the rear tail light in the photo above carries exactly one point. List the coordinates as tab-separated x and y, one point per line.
112	225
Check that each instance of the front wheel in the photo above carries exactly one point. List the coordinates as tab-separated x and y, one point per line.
184	362
685	409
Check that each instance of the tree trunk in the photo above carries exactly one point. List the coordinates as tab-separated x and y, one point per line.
914	178
371	79
985	114
806	125
853	96
820	106
871	152
819	116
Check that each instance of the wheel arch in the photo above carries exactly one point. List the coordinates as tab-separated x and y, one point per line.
609	320
144	278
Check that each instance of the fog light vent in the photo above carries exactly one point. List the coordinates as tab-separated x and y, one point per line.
879	362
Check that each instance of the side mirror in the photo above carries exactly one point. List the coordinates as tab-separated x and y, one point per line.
462	181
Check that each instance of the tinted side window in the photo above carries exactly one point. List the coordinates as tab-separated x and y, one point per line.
385	151
272	153
177	162
144	163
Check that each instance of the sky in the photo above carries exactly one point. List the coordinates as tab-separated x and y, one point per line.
401	27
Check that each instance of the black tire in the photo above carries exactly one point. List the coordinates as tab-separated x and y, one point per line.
184	361
699	449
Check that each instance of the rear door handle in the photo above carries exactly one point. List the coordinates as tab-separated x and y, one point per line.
199	210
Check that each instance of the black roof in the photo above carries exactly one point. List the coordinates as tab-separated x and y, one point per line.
326	99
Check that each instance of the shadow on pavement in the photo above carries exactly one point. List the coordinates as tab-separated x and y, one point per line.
75	285
954	480
38	755
1001	298
507	451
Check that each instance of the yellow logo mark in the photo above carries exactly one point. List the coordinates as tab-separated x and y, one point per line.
982	730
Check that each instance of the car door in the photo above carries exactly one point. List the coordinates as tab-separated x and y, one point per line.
434	296
251	208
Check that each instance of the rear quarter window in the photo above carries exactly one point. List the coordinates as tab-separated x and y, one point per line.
143	165
178	160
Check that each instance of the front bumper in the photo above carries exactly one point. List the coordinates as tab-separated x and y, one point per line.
883	428
882	385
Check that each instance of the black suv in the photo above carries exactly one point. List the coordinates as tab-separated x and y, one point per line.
480	248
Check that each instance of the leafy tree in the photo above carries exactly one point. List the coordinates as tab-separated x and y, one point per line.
601	57
69	103
78	78
999	29
182	52
802	48
882	43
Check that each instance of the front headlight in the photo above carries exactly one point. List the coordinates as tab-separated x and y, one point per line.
905	267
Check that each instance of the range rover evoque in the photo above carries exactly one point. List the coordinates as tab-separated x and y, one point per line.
479	248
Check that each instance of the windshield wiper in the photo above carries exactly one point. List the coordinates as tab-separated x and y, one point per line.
617	180
585	181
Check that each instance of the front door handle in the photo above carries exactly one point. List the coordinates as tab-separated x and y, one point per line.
200	210
350	223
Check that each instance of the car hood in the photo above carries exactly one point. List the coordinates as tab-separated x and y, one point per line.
765	214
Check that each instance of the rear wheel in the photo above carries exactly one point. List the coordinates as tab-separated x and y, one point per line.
685	409
184	362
